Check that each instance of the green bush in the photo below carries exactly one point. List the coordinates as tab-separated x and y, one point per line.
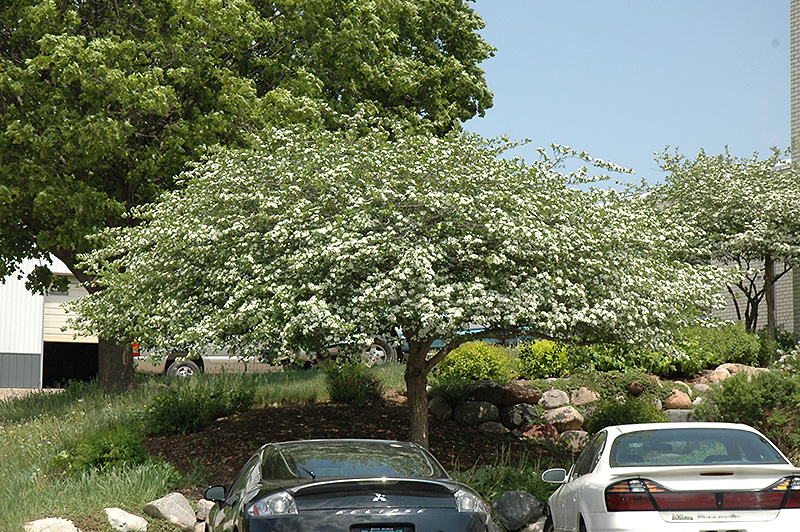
491	481
623	357
104	451
607	412
729	342
767	401
351	382
474	361
187	405
542	359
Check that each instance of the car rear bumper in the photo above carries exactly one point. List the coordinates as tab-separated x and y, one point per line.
418	521
713	521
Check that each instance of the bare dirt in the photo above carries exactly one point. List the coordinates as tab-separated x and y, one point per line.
215	454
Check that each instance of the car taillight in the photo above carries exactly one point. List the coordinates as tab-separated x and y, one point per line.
640	494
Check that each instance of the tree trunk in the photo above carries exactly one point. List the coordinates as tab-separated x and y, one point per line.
416	384
769	287
115	366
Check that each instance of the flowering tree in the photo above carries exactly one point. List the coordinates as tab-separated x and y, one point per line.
322	237
748	215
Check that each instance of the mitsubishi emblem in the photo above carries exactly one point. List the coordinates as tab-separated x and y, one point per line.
379	497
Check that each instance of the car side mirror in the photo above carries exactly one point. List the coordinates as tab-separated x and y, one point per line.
215	493
555	476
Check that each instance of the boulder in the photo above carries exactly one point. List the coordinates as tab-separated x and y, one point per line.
563	418
475	413
51	524
701	387
635	388
124	521
540	431
537	526
486	391
553	399
175	509
493	426
516	509
678	416
679	400
521	391
517	415
440	409
719	374
575	440
204	506
584	396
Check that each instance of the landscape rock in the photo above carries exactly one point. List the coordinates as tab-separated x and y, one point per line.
563	418
553	399
200	526
173	508
679	400
493	426
701	387
521	391
584	396
487	391
475	413
440	409
635	388
517	415
204	506
678	416
719	374
575	440
51	524
537	526
124	521
540	431
515	509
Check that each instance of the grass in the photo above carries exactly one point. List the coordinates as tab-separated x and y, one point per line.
38	429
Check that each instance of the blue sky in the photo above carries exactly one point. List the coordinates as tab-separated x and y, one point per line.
622	79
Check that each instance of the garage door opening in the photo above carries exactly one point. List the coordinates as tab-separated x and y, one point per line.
65	362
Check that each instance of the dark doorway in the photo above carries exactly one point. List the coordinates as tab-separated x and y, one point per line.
68	362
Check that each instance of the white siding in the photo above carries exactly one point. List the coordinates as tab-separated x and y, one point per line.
21	316
55	316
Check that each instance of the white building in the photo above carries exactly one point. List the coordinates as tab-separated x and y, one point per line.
37	350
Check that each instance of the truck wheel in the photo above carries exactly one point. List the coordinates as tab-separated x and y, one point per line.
379	352
183	369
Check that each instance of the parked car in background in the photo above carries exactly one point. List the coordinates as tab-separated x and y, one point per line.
345	486
686	477
183	364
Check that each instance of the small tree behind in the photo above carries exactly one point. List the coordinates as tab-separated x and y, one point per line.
748	215
331	236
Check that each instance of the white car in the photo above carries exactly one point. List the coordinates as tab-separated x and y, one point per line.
676	477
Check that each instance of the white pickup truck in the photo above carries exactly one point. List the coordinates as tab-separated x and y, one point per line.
183	364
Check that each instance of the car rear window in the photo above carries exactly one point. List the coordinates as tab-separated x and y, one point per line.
360	459
692	446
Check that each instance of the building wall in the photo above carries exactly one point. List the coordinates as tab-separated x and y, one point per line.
21	327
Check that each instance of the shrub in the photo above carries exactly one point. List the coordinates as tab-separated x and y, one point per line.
187	405
104	451
491	481
542	359
351	382
729	342
474	361
607	412
767	401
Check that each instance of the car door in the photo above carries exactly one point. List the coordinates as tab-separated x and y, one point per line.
565	514
225	520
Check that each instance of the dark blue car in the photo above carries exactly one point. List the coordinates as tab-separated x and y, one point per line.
345	486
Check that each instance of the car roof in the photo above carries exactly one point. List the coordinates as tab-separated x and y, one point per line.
624	429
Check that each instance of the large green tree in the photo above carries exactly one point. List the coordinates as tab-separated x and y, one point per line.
335	236
103	103
747	212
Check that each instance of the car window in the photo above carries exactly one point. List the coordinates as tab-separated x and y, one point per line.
274	467
692	446
360	459
249	475
590	456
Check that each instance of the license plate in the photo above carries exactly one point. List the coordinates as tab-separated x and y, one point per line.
382	528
